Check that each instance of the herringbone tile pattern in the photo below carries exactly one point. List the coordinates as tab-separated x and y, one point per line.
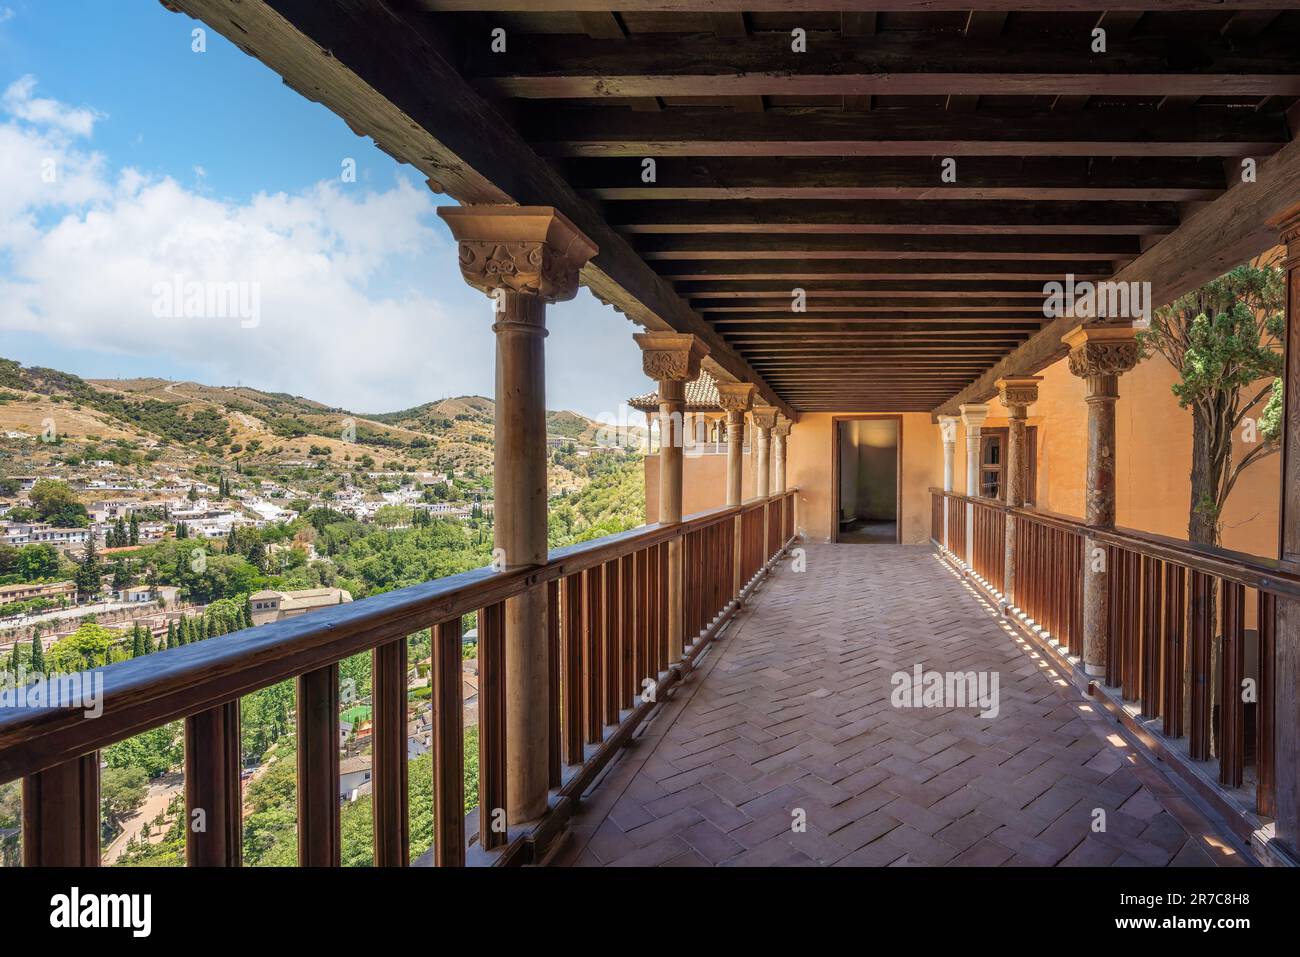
789	720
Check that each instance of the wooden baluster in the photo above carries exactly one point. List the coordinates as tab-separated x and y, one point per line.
1199	660
1232	718
391	789
612	652
448	735
212	787
1131	608
554	744
492	726
1151	589
573	669
1175	636
661	649
593	657
643	611
318	768
628	603
1265	716
1114	661
61	815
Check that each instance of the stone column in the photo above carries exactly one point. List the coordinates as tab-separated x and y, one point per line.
1285	807
523	257
780	432
672	359
948	432
764	419
972	416
1099	353
1017	393
735	399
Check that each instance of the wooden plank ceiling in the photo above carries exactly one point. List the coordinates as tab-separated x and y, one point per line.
822	170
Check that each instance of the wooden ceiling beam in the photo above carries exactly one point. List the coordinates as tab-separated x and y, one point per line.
1036	179
606	132
870	217
1212	240
894	63
828	291
870	303
855	6
816	246
801	270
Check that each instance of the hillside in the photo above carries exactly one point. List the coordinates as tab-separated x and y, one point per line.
188	424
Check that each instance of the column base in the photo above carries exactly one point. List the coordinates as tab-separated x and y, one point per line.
1094	671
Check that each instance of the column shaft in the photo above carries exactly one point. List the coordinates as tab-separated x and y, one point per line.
735	455
519	479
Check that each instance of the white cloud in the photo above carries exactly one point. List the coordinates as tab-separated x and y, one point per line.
19	101
361	301
337	320
6	14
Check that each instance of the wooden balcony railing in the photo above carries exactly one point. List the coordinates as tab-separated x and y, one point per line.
1177	638
608	650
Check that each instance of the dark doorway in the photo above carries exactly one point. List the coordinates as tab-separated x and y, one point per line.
867	478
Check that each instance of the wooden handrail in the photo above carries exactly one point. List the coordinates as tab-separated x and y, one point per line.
1266	574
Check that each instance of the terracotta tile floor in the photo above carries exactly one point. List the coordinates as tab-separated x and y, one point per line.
788	719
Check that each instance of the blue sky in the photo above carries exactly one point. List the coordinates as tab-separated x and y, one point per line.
204	166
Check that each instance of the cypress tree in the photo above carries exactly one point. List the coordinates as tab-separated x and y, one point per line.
38	655
146	638
13	658
137	642
171	639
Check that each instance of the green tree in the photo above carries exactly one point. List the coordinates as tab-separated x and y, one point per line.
37	657
1224	340
85	648
55	503
87	576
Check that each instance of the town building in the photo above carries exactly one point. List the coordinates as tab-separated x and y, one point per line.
268	606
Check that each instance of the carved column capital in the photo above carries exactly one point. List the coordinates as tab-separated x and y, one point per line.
764	417
735	396
532	250
782	427
973	416
671	356
948	427
1017	393
1102	349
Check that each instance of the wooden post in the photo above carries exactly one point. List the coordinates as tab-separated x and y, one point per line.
214	834
1017	393
972	416
1099	353
61	815
735	399
671	359
524	257
318	768
1286	630
390	785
